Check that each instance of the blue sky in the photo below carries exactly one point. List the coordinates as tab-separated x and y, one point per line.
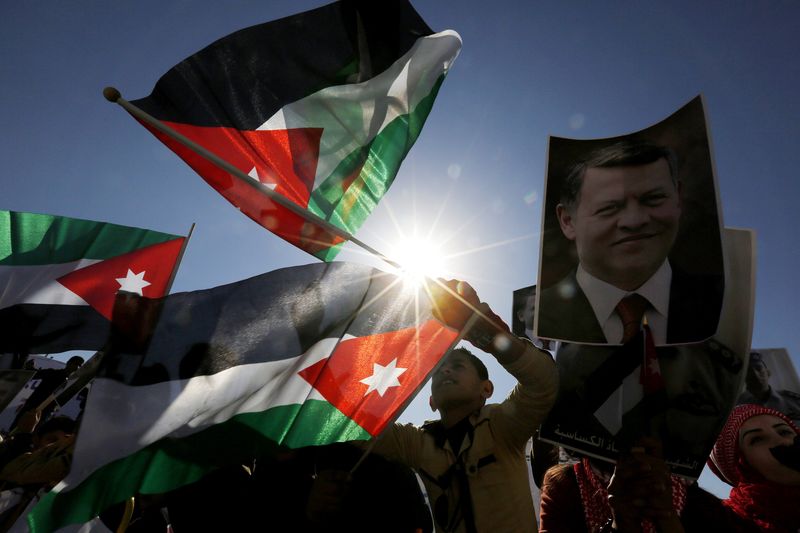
474	179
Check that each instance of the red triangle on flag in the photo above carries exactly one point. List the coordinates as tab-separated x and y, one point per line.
404	358
284	160
97	284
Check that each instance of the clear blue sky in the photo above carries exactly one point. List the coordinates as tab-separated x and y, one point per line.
475	178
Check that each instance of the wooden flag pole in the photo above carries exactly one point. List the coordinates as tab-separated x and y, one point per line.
113	95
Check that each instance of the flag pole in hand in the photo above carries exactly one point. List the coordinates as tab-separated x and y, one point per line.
113	95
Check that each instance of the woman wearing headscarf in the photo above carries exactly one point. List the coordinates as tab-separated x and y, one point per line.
758	454
637	495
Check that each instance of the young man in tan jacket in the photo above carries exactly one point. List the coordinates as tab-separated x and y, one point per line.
472	460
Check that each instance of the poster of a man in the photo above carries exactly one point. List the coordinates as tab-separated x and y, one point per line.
522	314
780	389
603	407
629	215
701	381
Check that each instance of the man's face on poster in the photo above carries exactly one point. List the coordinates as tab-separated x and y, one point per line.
624	221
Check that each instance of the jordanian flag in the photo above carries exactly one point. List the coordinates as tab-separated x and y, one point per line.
301	356
59	277
320	107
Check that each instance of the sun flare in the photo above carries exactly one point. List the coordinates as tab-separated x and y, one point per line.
418	259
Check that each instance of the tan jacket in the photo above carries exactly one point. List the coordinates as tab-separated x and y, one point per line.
493	460
45	466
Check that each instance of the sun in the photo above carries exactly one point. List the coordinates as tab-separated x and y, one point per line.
418	259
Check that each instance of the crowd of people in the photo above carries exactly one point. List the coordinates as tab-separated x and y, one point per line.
471	461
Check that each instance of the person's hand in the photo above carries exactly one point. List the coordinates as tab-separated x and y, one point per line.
28	421
641	488
456	302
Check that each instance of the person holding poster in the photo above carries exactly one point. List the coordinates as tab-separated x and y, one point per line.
760	391
621	206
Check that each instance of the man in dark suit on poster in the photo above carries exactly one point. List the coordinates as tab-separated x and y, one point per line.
621	206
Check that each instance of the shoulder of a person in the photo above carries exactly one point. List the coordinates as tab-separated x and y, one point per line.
704	510
745	397
486	411
789	394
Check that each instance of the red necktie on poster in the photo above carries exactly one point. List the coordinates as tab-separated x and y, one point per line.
631	311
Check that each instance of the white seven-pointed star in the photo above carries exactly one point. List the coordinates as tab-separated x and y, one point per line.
133	282
256	176
383	377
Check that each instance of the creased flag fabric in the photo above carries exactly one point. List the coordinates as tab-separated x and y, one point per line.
321	107
301	356
59	277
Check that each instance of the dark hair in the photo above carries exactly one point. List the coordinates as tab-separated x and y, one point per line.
483	373
57	423
623	153
77	358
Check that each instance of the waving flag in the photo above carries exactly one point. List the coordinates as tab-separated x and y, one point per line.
296	357
59	277
321	107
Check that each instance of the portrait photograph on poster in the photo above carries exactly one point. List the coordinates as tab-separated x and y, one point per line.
772	381
522	303
634	215
603	406
522	313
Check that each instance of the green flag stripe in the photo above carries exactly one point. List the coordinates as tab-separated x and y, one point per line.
171	463
381	161
34	239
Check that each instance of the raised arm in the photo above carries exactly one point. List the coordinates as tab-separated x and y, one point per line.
455	302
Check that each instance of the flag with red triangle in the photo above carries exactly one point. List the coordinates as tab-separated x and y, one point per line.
301	356
378	362
59	277
321	107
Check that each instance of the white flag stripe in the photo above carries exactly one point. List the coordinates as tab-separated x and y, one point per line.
93	526
121	419
37	284
341	110
622	400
